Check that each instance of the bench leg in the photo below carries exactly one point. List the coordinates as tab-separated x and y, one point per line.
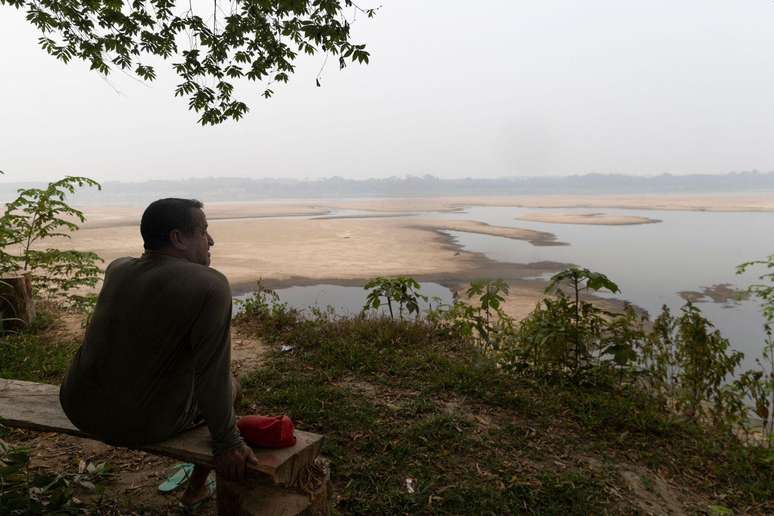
254	497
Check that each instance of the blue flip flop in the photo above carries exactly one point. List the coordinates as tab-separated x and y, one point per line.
177	479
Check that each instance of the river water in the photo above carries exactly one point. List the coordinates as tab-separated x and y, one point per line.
651	263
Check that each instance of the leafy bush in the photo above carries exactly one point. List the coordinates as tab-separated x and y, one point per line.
263	308
682	362
37	215
482	321
570	336
688	361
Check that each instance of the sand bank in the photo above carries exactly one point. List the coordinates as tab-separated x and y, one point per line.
538	238
115	216
590	219
344	251
704	202
723	293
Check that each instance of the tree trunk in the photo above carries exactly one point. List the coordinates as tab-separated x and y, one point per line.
17	308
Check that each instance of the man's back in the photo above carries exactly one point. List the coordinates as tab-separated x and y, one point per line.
156	353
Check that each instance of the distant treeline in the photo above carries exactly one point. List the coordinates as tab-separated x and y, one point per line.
245	189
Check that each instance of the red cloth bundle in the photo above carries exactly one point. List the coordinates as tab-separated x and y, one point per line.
267	431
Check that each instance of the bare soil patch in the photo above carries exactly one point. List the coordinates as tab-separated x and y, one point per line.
131	489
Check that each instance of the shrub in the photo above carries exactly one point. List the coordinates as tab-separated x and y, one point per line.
35	216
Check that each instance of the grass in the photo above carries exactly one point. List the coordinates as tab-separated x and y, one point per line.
405	409
421	422
32	355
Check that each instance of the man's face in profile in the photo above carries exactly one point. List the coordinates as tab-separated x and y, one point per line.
198	243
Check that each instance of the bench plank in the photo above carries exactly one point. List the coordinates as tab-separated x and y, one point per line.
35	406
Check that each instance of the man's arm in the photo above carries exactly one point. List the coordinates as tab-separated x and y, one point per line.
210	338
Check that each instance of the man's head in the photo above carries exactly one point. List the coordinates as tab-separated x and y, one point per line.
177	227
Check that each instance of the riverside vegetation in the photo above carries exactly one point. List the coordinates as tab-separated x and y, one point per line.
463	410
460	409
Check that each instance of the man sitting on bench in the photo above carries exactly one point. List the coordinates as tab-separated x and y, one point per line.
156	356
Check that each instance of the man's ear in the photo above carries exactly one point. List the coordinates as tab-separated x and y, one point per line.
176	240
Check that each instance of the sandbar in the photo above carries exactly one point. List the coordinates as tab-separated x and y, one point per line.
724	293
298	251
676	202
538	238
590	219
114	216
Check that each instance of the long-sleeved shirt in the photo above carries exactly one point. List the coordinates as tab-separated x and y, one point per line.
156	353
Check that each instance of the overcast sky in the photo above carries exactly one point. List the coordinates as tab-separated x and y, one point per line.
454	89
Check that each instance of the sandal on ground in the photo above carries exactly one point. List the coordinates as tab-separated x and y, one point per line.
178	478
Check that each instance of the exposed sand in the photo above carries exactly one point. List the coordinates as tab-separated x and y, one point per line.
113	216
539	238
704	202
345	251
252	243
590	219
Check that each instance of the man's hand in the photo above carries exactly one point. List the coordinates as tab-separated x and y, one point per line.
232	464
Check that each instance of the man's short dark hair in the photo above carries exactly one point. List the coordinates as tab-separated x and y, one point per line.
164	215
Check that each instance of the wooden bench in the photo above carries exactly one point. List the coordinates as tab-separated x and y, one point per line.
266	492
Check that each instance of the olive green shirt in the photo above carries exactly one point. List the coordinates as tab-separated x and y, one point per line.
156	355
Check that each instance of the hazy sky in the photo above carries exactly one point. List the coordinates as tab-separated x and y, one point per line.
454	89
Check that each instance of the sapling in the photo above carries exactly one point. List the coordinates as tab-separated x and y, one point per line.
402	290
37	215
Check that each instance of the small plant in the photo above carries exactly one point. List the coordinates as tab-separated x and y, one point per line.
658	357
401	290
259	302
40	214
542	342
491	294
588	323
623	339
483	320
264	308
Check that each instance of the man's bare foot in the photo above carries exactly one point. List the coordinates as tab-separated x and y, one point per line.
197	489
194	495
